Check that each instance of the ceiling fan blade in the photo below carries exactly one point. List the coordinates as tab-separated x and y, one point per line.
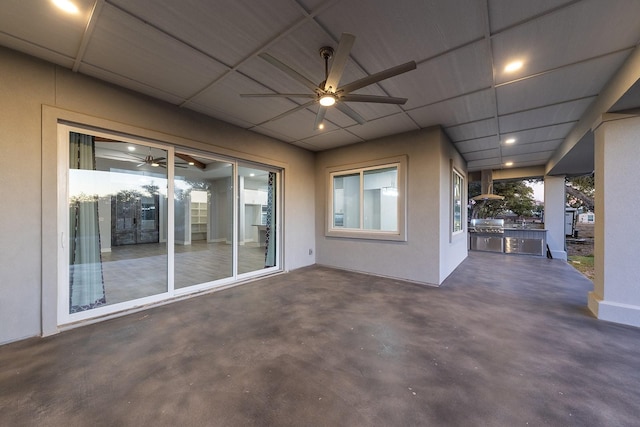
350	112
375	78
339	61
290	71
278	95
158	159
187	158
373	98
322	110
293	110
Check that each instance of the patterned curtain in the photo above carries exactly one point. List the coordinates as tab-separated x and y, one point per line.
270	235
86	283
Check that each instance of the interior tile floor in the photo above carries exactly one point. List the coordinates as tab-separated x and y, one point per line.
137	271
505	341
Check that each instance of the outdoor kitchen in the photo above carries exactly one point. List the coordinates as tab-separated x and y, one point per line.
491	235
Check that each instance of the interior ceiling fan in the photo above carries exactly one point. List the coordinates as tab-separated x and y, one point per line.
329	92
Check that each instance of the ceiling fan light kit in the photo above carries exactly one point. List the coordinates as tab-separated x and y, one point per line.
328	92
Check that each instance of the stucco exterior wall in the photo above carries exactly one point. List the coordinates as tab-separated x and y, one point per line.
34	95
428	185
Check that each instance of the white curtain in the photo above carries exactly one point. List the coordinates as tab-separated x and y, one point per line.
86	283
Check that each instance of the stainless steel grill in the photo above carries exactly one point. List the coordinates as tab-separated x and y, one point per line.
490	226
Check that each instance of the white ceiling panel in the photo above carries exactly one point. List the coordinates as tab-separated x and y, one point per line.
128	83
463	109
493	163
298	125
565	84
567	36
529	158
48	27
545	116
393	32
504	13
224	97
203	55
472	130
518	149
217	114
479	144
122	45
40	52
464	70
541	134
390	125
484	154
229	33
334	139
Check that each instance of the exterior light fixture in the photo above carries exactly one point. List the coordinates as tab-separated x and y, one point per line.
510	141
66	5
508	164
513	66
327	100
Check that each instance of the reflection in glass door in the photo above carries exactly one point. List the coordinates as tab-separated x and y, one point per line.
126	244
203	220
257	219
116	217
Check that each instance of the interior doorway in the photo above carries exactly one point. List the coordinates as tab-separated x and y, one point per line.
134	219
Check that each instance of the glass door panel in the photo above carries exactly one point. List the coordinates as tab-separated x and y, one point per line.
257	219
117	218
203	220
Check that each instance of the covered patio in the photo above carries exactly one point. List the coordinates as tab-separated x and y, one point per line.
513	345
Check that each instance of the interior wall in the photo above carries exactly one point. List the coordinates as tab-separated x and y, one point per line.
35	94
417	259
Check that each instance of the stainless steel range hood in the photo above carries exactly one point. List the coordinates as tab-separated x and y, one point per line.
486	186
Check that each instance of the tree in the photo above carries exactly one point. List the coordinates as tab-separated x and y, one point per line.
580	192
518	198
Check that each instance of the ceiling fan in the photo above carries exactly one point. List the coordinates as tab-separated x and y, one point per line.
329	92
156	161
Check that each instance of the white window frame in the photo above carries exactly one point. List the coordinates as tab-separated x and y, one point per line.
400	234
455	174
64	319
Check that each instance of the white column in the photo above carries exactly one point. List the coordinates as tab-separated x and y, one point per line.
616	294
554	206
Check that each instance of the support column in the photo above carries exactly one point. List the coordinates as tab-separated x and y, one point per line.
616	294
554	207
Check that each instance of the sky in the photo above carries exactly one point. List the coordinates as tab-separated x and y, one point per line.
538	190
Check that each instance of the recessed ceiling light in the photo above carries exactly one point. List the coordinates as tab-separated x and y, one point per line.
191	163
508	164
321	126
66	5
513	66
131	148
252	174
510	141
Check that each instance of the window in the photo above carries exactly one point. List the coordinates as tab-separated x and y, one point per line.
368	201
456	191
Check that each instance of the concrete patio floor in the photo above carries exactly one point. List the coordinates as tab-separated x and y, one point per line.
505	341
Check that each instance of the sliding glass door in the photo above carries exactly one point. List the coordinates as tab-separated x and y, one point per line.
203	202
257	218
125	245
117	198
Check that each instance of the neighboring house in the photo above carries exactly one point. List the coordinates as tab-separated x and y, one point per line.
587	218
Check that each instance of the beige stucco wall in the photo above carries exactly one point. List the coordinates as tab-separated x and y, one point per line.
33	96
427	256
